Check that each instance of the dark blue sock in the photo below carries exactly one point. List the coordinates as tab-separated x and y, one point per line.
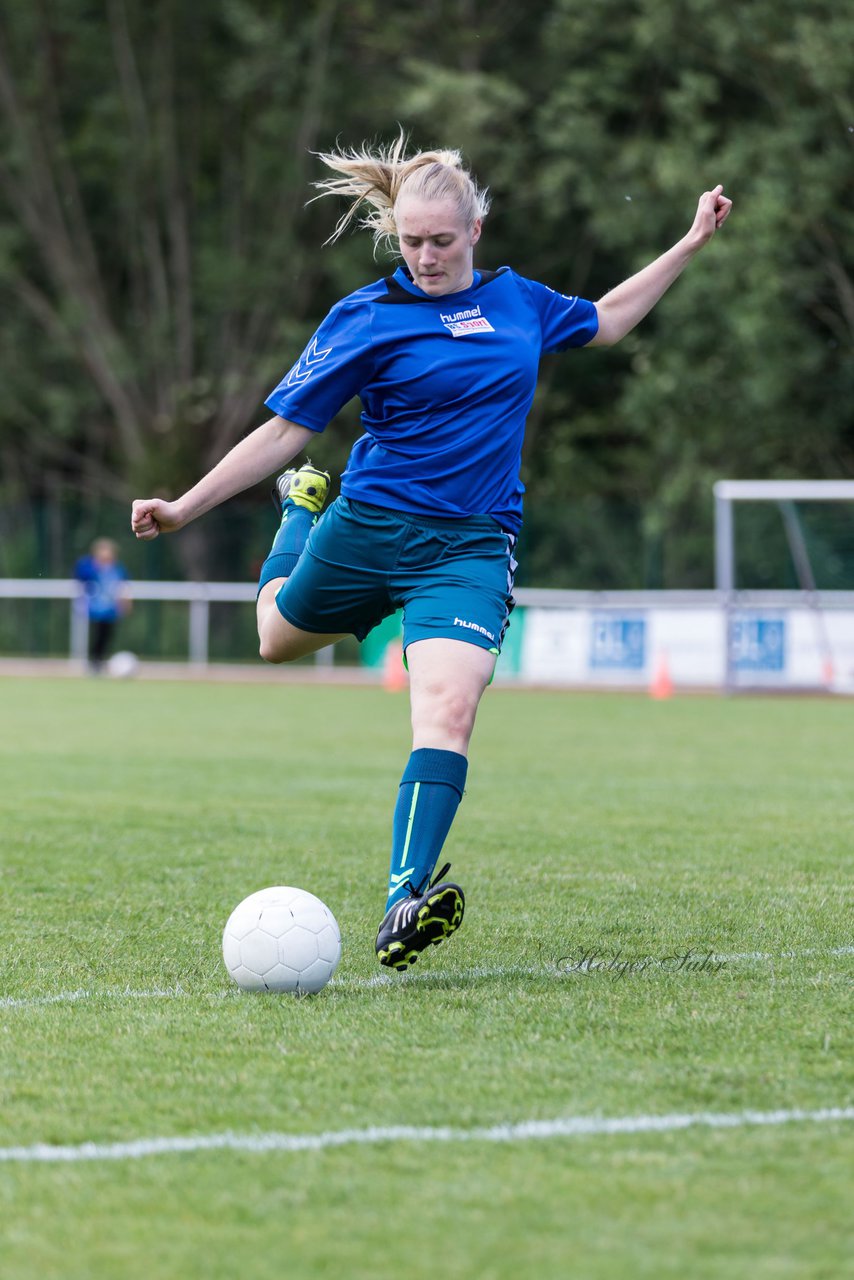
430	792
288	543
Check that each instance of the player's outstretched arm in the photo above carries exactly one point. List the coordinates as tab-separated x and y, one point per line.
624	307
266	449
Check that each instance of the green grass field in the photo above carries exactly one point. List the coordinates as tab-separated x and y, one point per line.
136	815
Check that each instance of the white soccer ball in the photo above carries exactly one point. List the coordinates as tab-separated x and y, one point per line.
281	939
123	665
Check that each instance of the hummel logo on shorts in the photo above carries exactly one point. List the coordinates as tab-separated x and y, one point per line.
474	626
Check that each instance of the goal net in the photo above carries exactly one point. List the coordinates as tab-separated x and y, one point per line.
784	566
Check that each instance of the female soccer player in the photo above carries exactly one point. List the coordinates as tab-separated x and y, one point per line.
444	359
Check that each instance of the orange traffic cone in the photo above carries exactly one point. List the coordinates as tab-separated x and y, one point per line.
662	685
395	676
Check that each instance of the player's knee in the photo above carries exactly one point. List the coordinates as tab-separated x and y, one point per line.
453	711
269	652
460	712
273	648
275	638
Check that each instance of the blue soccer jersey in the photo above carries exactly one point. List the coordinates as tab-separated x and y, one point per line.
103	586
446	385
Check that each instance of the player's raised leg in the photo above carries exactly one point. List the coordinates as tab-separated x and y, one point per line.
299	494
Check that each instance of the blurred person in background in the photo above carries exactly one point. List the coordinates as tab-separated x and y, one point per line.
444	359
105	596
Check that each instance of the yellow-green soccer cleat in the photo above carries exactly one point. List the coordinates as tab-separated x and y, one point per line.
420	921
305	486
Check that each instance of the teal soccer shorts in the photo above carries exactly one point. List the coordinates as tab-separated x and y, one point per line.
451	578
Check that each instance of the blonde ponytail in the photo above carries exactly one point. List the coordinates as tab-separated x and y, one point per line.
374	179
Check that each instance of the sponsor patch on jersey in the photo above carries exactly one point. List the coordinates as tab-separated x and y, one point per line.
470	320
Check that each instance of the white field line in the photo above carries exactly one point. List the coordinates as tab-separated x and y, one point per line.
599	964
71	997
526	1131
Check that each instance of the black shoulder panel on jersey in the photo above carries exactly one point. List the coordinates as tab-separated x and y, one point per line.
486	277
395	291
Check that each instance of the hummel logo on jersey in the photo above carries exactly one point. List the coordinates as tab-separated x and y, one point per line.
305	366
459	323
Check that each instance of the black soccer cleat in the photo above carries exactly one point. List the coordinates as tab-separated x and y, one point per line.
420	921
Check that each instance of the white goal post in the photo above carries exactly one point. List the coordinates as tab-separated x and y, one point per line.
785	493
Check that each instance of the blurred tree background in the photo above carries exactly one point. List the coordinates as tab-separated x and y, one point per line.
160	267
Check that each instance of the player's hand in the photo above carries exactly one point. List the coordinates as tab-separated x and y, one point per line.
150	516
712	212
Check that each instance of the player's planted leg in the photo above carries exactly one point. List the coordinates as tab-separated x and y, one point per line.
419	921
430	791
447	679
